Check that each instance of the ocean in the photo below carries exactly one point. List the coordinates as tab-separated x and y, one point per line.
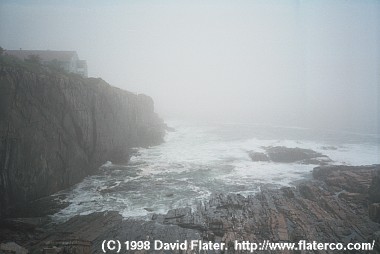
199	159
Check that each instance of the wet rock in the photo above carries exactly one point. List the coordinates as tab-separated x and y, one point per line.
374	189
374	212
40	207
307	192
284	154
376	237
12	247
355	179
257	156
76	246
24	224
288	192
289	155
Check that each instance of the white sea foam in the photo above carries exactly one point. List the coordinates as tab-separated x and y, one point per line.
198	160
107	164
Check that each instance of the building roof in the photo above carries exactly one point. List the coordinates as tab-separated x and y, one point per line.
45	55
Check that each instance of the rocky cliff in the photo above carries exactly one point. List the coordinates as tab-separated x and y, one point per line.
55	129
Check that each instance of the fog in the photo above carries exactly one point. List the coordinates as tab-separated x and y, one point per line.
298	63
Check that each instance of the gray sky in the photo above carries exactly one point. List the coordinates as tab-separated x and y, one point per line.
305	63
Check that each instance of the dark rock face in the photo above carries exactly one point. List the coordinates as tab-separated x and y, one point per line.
284	154
56	129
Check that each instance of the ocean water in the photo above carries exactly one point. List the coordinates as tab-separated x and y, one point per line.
200	159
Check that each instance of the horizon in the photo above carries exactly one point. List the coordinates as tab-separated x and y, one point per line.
301	63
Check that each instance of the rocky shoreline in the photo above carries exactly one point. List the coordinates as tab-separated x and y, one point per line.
340	204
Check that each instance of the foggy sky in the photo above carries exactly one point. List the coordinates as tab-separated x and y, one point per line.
301	63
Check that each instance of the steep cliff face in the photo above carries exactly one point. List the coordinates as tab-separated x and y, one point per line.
56	129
